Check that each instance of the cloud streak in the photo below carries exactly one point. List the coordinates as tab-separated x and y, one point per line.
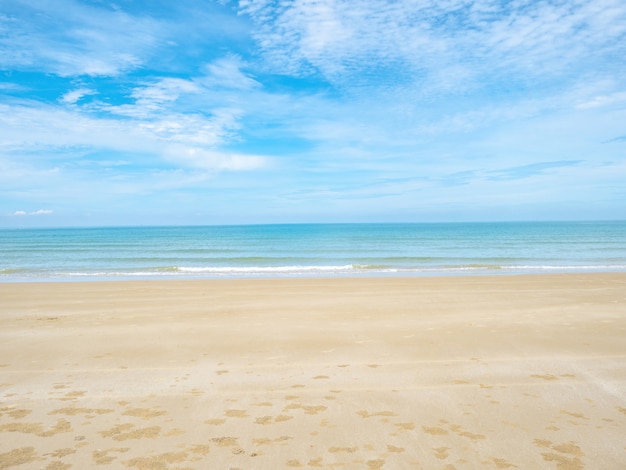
161	118
436	45
35	213
71	38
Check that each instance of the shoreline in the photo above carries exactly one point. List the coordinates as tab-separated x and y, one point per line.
426	274
524	371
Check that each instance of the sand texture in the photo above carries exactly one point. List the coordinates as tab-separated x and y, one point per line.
502	372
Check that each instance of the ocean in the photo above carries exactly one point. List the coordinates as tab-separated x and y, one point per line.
304	250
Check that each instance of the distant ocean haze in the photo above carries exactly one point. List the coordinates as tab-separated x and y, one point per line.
302	250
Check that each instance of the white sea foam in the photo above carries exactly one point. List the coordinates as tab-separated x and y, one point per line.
296	270
570	268
109	274
265	269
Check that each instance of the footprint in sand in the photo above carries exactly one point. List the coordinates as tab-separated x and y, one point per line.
435	430
236	413
544	376
157	461
71	411
367	414
375	464
310	410
502	463
405	426
265	403
61	426
60	453
441	452
18	456
455	428
265	420
349	450
215	421
15	413
225	441
72	396
122	432
144	413
265	441
566	455
102	457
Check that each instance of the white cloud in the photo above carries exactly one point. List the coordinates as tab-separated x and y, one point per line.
8	86
194	116
207	159
28	126
226	72
603	100
74	96
434	44
69	38
35	213
162	92
221	84
152	125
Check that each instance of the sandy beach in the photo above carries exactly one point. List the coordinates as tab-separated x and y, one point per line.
432	373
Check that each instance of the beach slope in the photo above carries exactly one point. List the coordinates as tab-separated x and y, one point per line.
450	372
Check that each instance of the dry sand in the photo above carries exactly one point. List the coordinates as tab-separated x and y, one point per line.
478	372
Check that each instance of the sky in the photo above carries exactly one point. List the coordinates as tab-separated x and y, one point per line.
154	112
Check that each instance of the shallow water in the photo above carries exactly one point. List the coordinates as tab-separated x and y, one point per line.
311	250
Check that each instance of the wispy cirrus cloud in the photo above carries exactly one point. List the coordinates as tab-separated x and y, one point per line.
226	72
604	100
178	139
532	169
8	86
184	121
451	44
70	38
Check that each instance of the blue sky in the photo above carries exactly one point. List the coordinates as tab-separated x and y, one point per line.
259	111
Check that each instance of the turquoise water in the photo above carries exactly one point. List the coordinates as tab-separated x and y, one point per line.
310	250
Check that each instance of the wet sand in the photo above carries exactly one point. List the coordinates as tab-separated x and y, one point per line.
433	373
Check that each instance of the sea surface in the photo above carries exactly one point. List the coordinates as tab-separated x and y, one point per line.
306	250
